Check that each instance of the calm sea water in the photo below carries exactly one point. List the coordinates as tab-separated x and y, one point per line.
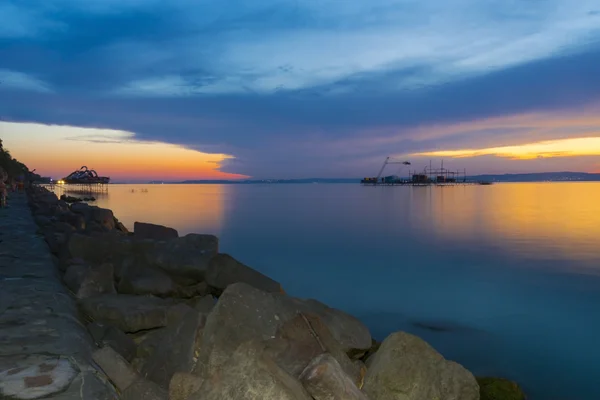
504	279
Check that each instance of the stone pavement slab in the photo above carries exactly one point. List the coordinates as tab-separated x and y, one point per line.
45	350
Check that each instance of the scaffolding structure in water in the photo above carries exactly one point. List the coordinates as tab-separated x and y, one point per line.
427	177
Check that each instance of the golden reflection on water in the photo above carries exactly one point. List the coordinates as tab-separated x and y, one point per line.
539	220
188	208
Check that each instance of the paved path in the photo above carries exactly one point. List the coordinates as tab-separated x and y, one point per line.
45	350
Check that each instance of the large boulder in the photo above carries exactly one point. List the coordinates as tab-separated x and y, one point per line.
99	248
147	343
126	312
140	279
244	313
87	281
186	256
177	350
250	374
144	230
223	270
352	334
143	389
107	335
301	339
104	217
118	370
183	384
406	368
325	379
82	209
202	304
77	221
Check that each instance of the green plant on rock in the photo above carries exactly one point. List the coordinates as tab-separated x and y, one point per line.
499	389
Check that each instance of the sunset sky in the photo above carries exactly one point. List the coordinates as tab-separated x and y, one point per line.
184	89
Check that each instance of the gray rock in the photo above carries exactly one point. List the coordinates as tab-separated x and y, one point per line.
186	256
203	305
56	240
77	221
177	349
107	335
104	217
223	270
120	227
94	388
188	292
147	344
88	281
325	379
305	337
144	230
250	374
82	209
352	334
144	390
244	313
406	368
118	370
184	384
177	312
99	248
126	312
139	279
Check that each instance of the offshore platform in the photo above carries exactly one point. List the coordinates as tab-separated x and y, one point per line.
427	177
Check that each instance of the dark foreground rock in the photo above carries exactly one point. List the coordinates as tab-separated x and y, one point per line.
85	280
183	385
406	368
245	313
186	256
499	389
301	339
143	230
178	349
325	379
224	270
126	312
107	335
250	374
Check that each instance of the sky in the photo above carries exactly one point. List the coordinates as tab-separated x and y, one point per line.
207	89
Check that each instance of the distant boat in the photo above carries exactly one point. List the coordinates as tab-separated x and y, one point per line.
85	175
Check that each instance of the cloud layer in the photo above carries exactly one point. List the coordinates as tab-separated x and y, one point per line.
298	88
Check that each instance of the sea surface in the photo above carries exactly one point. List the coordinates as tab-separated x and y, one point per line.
504	279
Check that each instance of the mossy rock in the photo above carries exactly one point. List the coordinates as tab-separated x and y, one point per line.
499	389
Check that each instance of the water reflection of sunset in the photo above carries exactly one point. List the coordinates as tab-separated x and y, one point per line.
568	226
188	208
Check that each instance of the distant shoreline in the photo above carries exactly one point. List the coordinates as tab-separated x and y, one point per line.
531	177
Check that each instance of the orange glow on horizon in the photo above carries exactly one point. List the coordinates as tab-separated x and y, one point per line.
58	150
573	147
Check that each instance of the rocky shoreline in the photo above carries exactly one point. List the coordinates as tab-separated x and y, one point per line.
173	318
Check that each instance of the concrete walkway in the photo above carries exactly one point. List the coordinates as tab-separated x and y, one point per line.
45	351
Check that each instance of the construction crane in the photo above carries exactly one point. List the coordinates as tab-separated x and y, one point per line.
386	162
